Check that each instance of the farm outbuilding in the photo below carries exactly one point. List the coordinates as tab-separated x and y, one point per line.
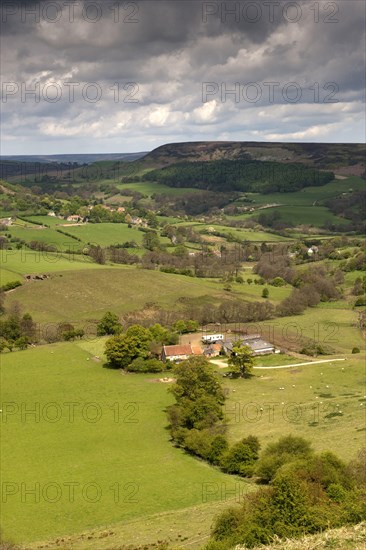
255	342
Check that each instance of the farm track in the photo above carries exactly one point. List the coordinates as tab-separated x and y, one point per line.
223	365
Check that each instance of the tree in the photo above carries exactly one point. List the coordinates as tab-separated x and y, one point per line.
241	361
109	324
122	349
97	253
151	240
196	378
265	293
21	343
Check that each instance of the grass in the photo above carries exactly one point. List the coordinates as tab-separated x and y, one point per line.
308	215
242	234
106	234
305	407
44	235
150	188
120	441
49	220
7	276
21	262
317	324
87	295
307	196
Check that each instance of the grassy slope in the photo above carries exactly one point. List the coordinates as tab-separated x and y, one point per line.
128	445
21	262
310	393
307	196
85	295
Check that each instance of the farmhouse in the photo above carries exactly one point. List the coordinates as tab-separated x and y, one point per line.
177	353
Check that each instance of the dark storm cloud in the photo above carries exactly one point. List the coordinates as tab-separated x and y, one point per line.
148	64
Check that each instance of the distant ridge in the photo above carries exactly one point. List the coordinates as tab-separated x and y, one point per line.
320	155
74	158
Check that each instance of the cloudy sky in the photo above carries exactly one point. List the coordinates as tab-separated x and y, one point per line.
125	76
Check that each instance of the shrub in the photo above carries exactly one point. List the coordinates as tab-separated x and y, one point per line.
11	285
219	445
265	293
277	281
355	350
198	442
109	324
240	458
145	365
275	455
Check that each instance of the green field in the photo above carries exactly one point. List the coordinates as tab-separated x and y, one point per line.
307	196
334	327
21	262
150	188
52	221
308	215
310	393
242	234
87	295
106	234
44	235
116	451
7	276
120	289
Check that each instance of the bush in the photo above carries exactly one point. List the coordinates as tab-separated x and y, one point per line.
240	458
219	445
355	350
265	293
275	455
11	285
109	324
198	442
278	281
145	365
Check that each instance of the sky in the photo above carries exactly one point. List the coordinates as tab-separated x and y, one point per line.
120	76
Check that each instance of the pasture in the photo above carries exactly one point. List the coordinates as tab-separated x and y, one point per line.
309	195
240	234
150	188
106	234
44	235
21	262
324	403
88	295
96	450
